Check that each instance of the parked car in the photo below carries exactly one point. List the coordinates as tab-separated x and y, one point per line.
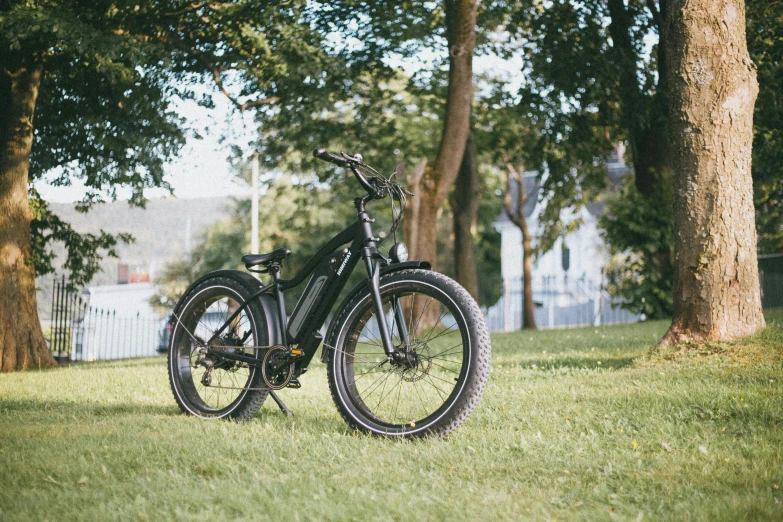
164	336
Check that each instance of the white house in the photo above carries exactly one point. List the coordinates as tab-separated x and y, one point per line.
566	279
126	300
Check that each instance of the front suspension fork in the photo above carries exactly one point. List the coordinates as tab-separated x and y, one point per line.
374	270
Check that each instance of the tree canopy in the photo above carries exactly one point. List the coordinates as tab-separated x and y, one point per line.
112	73
765	44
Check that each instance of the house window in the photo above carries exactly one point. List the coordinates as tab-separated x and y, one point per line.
566	258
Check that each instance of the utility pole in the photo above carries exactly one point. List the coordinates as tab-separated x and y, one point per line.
254	206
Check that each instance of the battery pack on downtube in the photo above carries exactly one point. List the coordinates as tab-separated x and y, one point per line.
325	284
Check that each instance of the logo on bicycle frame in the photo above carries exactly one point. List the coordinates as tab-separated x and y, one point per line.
345	262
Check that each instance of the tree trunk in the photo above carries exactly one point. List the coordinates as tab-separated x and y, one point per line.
22	344
437	181
528	306
520	220
411	218
712	90
464	207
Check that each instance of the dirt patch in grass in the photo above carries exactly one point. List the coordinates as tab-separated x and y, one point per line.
763	348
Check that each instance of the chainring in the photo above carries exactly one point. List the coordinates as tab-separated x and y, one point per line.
274	374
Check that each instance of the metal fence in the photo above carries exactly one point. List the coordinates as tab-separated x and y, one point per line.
558	303
771	277
772	291
78	332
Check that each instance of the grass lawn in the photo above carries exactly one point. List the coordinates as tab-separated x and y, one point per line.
575	424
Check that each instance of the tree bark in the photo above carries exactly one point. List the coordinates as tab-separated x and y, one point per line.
437	181
22	344
411	218
520	220
712	90
464	207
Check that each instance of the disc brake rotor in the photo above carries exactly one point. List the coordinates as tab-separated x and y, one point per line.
417	364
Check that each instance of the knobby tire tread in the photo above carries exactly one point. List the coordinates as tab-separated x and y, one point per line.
254	399
479	335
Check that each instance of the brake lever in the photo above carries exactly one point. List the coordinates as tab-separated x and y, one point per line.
356	160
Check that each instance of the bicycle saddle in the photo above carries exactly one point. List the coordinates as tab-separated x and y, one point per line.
265	259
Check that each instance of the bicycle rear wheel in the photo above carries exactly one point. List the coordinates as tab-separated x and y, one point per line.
204	385
439	327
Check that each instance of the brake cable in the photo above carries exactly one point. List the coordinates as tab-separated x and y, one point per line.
394	190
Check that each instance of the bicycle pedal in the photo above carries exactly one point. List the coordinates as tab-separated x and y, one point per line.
294	383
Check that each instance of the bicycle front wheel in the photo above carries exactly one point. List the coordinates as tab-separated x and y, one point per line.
438	327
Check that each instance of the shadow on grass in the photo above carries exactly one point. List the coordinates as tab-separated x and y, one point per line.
135	362
574	362
85	408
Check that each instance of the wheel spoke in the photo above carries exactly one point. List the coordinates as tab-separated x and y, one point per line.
445	351
447	369
229	380
413	388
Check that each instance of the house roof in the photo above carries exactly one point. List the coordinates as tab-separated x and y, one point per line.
128	300
616	169
615	172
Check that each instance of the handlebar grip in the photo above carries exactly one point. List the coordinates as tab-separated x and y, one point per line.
341	161
328	156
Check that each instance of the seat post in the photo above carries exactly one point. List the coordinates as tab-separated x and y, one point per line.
274	270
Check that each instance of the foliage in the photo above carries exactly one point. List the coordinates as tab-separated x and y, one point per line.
391	117
571	104
765	44
113	71
590	81
639	233
82	257
592	78
388	122
571	427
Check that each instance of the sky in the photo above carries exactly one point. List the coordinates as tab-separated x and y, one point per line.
203	170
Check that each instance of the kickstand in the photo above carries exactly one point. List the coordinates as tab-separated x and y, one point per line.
280	403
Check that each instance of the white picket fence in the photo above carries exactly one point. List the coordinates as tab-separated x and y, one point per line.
558	303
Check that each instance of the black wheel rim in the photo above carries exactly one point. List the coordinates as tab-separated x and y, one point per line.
200	320
404	397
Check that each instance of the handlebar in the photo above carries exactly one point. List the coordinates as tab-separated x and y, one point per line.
331	158
351	162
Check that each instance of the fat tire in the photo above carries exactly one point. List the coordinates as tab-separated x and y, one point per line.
477	373
252	400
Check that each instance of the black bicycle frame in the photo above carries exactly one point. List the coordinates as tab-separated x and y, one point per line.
331	267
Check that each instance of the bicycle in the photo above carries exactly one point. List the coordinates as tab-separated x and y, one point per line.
407	353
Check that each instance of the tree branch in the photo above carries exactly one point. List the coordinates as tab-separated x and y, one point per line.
186	9
656	14
212	6
19	72
507	200
518	217
240	106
